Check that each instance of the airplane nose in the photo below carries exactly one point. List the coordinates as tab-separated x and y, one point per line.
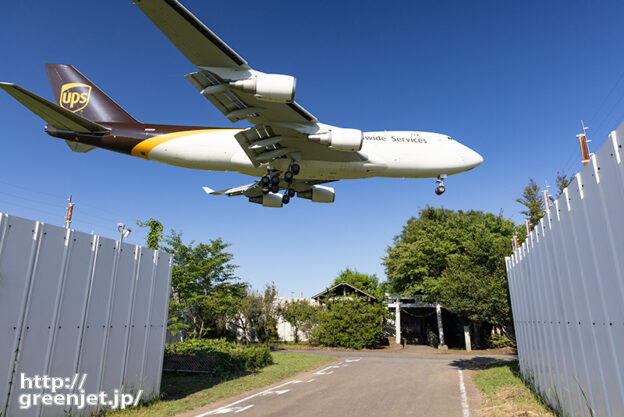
472	159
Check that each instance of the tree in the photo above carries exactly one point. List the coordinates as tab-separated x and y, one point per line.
267	321
350	323
532	199
247	315
301	315
365	282
563	181
421	249
456	258
155	234
205	291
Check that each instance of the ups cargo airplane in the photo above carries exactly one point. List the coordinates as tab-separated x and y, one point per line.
286	147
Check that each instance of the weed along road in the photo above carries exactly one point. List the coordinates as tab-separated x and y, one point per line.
406	383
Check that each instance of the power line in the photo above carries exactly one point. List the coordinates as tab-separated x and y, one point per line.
608	95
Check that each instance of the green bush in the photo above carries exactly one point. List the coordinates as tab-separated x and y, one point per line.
500	341
350	323
218	356
199	347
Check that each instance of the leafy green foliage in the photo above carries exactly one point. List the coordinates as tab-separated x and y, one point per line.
350	323
532	199
301	315
563	181
205	291
266	326
496	341
246	316
227	358
155	234
456	258
365	282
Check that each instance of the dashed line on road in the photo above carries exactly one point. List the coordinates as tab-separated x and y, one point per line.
230	407
233	408
464	398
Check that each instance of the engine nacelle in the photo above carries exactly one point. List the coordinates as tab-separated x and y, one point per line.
269	87
268	200
340	139
319	194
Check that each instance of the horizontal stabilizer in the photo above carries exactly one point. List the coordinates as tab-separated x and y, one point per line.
231	191
55	115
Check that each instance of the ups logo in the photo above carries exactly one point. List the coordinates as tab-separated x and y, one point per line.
75	96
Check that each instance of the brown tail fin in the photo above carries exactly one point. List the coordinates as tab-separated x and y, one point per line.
74	92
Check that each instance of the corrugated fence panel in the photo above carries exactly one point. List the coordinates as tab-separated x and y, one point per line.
566	283
137	343
73	303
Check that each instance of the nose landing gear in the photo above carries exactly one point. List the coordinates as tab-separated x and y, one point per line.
440	189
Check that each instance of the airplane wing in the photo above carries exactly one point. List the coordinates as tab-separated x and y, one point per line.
281	127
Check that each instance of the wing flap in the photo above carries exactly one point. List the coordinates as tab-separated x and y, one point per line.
55	115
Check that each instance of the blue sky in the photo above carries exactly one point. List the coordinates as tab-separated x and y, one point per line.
512	80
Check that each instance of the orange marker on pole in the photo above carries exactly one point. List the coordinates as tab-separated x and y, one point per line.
583	141
70	210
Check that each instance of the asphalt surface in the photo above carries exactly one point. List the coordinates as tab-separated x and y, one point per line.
406	383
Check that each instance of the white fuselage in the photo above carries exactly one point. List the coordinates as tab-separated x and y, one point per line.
402	154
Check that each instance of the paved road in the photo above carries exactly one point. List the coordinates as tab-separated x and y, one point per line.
362	384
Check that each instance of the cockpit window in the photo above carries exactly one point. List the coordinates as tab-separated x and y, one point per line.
449	138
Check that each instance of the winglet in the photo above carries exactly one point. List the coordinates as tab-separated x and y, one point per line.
208	190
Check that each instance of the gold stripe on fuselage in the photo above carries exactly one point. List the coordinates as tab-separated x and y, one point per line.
143	148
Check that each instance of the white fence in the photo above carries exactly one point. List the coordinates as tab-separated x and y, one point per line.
567	292
73	303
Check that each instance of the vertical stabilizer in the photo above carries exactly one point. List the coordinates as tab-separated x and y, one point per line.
74	92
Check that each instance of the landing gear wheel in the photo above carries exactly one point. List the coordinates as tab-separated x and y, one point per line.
274	188
288	176
440	190
290	192
285	199
275	180
295	168
265	180
265	190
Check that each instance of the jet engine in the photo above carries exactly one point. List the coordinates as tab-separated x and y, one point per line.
269	87
319	194
339	139
268	200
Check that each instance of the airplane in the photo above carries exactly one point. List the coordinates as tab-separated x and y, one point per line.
285	148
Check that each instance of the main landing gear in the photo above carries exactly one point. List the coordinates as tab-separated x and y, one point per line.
440	189
271	181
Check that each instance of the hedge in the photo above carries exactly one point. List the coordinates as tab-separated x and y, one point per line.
217	356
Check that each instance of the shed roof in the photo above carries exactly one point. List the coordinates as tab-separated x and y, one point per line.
339	289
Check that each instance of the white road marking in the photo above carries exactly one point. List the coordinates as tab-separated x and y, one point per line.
236	410
271	391
229	406
279	392
464	398
324	371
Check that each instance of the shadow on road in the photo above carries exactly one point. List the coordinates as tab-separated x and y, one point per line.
481	362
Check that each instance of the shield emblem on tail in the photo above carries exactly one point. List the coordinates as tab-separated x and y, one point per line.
75	96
